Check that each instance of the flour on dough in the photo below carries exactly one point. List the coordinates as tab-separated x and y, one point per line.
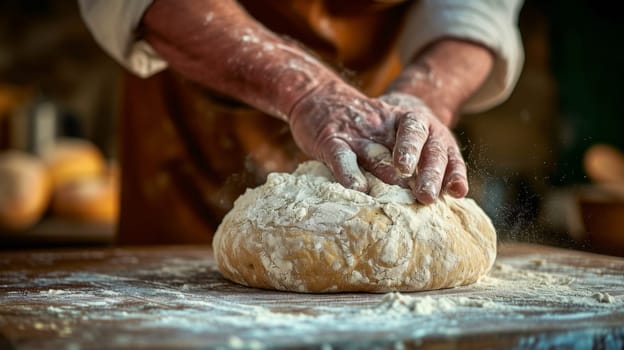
305	232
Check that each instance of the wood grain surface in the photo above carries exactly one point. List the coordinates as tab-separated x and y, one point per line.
172	297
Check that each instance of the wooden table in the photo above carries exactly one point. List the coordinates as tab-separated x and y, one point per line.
172	297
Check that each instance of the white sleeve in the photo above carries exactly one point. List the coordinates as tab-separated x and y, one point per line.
113	23
488	22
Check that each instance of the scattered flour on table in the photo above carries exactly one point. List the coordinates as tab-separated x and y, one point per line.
604	297
175	295
401	304
506	290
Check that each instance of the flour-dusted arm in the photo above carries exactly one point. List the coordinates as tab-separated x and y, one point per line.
218	45
491	24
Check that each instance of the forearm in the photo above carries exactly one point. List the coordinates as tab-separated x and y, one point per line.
445	75
217	44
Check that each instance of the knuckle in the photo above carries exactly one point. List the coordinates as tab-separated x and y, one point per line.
432	174
456	161
458	164
454	152
412	125
455	158
456	175
437	150
406	149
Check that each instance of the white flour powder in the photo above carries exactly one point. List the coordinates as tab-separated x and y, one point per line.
186	297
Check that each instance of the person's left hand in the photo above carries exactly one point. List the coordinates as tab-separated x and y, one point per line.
425	151
347	130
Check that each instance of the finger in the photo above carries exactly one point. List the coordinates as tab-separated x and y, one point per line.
412	134
343	163
431	169
377	159
456	180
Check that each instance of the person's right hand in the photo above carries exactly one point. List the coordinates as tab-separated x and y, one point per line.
426	151
400	143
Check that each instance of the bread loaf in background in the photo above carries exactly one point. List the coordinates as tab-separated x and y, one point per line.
85	188
92	198
71	178
73	159
25	189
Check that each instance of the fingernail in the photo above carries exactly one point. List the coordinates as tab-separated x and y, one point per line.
427	187
427	193
456	188
359	184
406	164
395	177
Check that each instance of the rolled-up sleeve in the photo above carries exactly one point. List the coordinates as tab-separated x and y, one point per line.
491	23
113	24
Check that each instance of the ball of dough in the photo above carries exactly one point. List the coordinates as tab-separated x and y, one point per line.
304	232
24	190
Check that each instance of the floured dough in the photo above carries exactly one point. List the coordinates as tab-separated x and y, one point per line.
304	232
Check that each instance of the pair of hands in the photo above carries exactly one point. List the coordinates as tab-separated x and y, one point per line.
395	137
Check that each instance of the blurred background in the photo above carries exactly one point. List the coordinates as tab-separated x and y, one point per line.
547	165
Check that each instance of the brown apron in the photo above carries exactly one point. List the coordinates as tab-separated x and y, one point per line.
187	154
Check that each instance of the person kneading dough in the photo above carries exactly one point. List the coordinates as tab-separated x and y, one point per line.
220	93
305	232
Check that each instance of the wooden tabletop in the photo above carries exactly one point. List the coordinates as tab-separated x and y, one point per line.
163	297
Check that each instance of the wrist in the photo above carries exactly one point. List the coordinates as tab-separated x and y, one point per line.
330	89
296	97
401	99
445	75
